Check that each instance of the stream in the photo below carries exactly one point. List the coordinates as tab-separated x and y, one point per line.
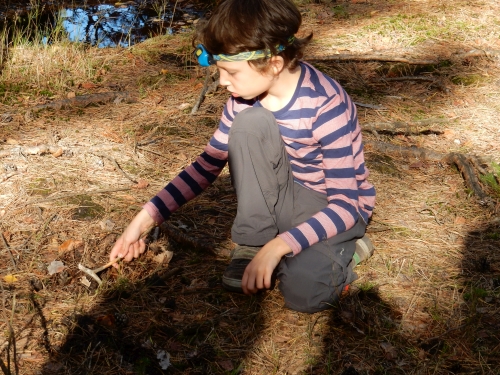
105	24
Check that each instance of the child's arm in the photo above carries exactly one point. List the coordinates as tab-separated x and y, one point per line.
187	185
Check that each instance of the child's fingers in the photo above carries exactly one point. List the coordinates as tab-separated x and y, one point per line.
142	246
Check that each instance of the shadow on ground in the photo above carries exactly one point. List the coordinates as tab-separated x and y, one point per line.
367	335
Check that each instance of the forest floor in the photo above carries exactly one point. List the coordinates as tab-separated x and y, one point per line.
427	302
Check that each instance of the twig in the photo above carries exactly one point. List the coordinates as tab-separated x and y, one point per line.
6	176
204	90
117	166
152	152
85	100
372	106
8	250
69	195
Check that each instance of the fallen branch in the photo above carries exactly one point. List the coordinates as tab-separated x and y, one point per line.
463	162
85	100
70	195
391	58
402	127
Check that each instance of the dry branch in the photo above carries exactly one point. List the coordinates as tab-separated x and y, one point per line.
463	162
402	127
391	58
70	195
85	100
207	87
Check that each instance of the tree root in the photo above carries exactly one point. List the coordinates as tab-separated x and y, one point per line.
465	164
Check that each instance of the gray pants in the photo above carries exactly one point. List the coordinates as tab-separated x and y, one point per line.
269	202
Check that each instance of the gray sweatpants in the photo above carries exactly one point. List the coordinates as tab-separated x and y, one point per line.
269	202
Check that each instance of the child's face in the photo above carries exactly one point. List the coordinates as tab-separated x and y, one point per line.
242	80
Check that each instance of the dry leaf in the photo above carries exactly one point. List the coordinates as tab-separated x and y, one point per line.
106	320
164	258
88	85
278	338
11	141
164	71
31	356
390	351
57	153
183	106
10	279
71	95
141	184
417	165
69	245
107	225
226	365
460	220
55	266
85	281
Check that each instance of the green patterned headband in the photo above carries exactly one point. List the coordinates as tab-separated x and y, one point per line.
252	55
205	58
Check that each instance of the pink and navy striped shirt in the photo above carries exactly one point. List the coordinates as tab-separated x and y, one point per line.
322	136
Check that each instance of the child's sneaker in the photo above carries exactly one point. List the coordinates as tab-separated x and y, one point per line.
364	250
241	256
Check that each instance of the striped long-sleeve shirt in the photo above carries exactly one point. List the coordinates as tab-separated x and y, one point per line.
322	136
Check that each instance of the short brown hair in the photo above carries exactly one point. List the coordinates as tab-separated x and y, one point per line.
248	25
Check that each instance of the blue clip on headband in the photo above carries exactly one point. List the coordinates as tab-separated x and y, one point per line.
205	58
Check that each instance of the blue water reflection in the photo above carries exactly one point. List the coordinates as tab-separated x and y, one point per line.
106	25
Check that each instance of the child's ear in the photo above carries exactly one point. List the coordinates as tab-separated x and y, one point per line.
277	64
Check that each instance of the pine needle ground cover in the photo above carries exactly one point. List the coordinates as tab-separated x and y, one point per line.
74	175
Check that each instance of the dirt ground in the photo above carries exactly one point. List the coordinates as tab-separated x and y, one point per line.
428	300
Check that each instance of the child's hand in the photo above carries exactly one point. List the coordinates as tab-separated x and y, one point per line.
259	271
129	245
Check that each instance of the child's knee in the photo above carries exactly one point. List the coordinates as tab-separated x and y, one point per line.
254	120
310	290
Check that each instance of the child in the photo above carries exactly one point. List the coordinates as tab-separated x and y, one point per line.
293	142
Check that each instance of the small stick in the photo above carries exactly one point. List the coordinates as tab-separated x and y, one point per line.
9	250
93	273
117	166
204	90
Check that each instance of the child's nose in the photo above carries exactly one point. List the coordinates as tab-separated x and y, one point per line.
223	80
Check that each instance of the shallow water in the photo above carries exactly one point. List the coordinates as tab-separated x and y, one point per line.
110	24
